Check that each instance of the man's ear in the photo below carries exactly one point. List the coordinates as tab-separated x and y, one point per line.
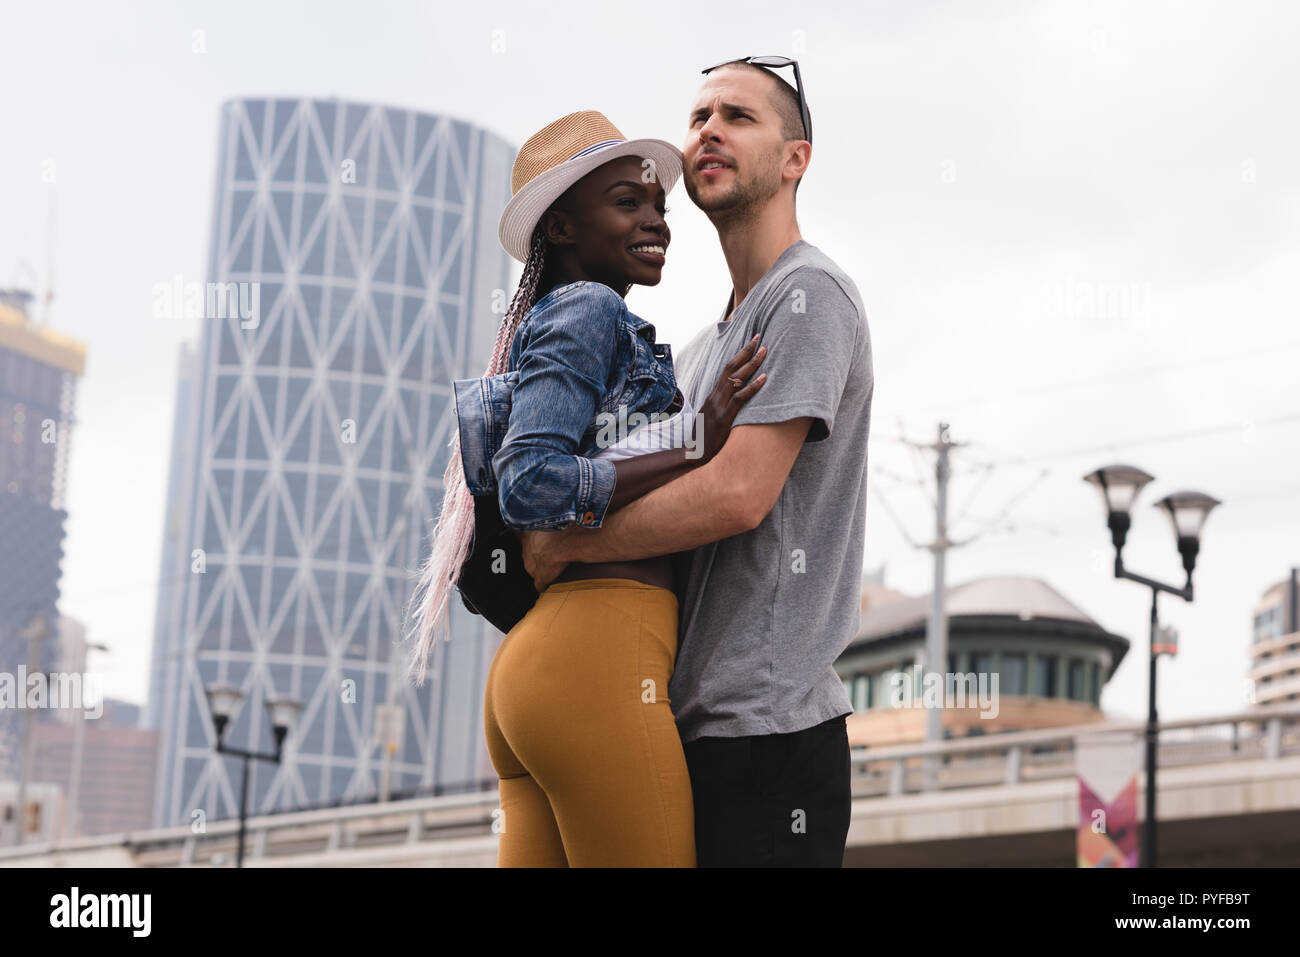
558	227
797	162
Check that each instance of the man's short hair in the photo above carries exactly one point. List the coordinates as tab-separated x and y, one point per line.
785	100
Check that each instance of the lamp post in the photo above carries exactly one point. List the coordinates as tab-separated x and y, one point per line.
1120	486
37	631
78	750
224	701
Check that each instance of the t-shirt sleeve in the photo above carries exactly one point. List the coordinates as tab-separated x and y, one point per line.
812	336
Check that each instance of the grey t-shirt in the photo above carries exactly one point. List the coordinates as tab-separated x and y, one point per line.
764	614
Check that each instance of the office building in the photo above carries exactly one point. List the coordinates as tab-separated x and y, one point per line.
1275	645
354	272
39	368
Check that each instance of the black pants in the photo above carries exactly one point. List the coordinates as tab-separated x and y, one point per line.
775	800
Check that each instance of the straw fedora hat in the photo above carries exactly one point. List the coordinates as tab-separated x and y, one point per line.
560	154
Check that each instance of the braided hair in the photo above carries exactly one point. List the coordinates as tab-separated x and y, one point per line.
453	533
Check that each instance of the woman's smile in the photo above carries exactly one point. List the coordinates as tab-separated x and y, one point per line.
651	252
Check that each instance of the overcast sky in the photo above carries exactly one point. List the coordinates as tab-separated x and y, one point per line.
1075	228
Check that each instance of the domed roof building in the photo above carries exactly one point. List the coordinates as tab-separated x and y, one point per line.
1020	656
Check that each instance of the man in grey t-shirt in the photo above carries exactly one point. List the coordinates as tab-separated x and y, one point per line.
768	536
765	614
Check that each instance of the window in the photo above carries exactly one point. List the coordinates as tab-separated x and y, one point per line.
880	682
909	679
1268	624
893	686
1012	678
1074	680
861	693
1044	677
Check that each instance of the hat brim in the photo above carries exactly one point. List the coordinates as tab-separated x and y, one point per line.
535	197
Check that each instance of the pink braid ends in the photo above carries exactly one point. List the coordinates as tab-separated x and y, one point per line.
453	534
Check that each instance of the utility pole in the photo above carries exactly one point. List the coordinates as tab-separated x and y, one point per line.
35	634
390	717
48	299
389	732
936	632
78	749
935	657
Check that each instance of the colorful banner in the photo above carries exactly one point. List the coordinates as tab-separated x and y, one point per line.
1108	765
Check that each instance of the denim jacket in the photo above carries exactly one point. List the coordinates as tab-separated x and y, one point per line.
527	434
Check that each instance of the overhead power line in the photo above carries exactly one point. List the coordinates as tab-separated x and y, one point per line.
1106	378
1148	440
1156	439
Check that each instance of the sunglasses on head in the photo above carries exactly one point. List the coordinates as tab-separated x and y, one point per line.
777	62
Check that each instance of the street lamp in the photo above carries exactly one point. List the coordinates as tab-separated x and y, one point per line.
78	747
37	631
224	702
1120	486
1187	513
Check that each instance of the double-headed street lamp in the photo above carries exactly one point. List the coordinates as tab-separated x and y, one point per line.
224	701
1120	486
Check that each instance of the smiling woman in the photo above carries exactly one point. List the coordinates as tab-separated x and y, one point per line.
578	725
609	227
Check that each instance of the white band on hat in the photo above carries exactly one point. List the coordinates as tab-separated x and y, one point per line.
593	148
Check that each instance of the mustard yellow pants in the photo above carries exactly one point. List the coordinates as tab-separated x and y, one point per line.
579	729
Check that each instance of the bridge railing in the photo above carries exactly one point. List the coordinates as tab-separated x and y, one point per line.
998	759
1024	756
409	821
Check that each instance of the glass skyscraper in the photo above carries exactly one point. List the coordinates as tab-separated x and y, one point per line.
354	271
39	369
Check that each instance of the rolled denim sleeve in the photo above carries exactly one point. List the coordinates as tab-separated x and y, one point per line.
564	366
474	424
482	417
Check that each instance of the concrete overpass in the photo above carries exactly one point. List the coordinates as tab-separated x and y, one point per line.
1228	795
